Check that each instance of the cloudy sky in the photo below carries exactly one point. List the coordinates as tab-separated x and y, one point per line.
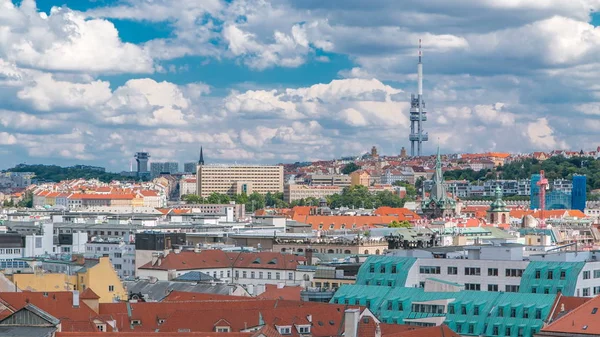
271	81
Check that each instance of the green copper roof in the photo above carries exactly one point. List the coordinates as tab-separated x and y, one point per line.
385	270
550	277
470	313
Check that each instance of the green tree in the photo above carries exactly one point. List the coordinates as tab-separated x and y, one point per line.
411	191
27	200
192	199
216	198
400	224
349	168
255	201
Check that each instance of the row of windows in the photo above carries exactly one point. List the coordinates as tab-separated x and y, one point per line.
382	269
470	329
477	286
562	274
501	312
473	271
10	251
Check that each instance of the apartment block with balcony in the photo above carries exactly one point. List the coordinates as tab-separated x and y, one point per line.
238	179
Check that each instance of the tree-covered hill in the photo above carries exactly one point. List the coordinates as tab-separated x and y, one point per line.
555	168
55	173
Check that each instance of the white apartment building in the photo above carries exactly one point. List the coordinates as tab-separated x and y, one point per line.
342	180
238	179
292	192
244	268
120	253
187	185
507	268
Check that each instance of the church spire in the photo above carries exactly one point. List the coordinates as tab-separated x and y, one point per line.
201	161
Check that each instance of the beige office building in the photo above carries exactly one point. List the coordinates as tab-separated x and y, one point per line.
238	179
292	192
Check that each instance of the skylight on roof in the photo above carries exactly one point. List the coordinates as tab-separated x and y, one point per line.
594	311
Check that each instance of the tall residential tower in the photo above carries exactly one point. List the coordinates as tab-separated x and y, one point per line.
418	115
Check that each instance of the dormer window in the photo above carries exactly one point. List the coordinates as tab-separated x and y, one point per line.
304	329
223	329
285	330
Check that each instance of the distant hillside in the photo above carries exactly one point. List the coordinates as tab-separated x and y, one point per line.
54	173
555	168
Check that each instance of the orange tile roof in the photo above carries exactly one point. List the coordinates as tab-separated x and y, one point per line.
404	212
124	196
148	193
548	214
582	320
349	221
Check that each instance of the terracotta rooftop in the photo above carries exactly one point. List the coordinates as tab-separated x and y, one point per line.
89	294
189	260
583	320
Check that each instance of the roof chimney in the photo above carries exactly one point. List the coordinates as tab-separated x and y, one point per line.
351	317
75	298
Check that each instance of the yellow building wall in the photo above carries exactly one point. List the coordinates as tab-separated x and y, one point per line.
44	282
137	202
100	277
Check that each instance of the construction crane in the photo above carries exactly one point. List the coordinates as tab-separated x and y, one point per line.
543	184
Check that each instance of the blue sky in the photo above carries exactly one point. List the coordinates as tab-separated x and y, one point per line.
268	81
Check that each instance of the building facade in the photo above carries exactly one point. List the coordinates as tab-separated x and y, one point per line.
157	168
238	179
293	192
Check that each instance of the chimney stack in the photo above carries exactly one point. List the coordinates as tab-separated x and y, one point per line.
351	317
75	298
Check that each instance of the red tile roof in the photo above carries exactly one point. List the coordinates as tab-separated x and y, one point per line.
89	294
584	320
157	334
273	292
58	304
188	260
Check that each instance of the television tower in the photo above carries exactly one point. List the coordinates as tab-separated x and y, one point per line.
418	115
543	184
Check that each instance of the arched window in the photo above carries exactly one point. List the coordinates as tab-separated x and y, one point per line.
377	252
503	218
366	251
330	251
347	251
283	250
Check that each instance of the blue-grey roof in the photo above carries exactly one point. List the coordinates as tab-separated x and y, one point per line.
158	290
26	331
195	276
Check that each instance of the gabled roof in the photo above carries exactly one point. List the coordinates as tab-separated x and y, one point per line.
189	260
89	294
584	320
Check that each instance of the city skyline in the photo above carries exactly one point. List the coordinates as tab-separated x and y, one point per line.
279	81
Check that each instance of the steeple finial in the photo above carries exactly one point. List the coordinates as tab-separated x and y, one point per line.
201	160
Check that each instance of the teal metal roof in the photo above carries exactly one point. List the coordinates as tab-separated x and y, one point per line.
385	271
539	231
445	282
550	277
470	313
